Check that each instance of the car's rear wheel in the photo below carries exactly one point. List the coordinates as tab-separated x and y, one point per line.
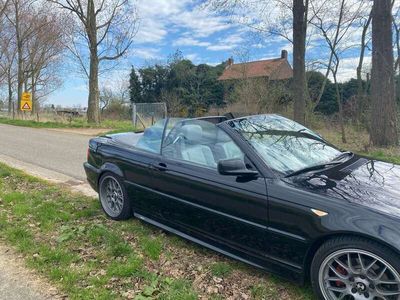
113	197
353	269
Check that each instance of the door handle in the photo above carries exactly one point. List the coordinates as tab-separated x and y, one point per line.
159	166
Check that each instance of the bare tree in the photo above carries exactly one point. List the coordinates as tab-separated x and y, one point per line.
8	66
44	54
3	6
361	90
106	28
335	21
362	99
271	18
384	111
115	91
17	16
106	96
287	19
24	23
31	47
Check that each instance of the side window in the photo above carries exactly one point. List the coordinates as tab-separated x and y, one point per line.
201	143
151	138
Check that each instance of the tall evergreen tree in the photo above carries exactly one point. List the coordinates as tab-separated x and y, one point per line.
135	88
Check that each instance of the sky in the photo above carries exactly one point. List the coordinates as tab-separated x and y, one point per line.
202	36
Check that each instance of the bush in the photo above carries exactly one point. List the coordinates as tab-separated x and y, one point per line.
117	110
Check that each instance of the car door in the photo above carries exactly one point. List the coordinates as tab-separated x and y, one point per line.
134	160
227	211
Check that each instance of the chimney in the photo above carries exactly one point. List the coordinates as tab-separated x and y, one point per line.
284	54
229	62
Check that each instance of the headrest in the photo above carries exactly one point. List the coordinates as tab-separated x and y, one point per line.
223	137
153	133
192	133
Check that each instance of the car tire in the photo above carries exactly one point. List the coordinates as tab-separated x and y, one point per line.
113	197
331	276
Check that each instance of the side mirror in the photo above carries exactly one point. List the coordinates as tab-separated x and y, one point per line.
235	167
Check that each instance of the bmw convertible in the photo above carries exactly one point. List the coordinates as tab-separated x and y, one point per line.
263	190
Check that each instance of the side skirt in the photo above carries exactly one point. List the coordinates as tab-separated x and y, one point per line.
197	241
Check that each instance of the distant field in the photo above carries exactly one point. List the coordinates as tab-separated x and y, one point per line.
109	125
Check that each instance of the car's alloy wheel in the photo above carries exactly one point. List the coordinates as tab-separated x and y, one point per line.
358	274
113	197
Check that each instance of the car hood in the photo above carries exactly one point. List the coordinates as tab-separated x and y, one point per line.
363	181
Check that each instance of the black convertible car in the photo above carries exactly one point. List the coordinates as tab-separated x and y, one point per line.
264	190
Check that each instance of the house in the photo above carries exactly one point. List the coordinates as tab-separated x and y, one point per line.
257	86
273	69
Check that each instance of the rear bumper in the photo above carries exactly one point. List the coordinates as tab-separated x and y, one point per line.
92	175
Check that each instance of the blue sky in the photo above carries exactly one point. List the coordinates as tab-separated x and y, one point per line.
200	34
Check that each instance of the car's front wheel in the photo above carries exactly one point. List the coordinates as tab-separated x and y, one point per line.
355	268
113	197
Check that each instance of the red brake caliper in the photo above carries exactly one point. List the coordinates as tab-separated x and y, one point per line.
342	271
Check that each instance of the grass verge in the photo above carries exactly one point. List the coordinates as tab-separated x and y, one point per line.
114	125
67	239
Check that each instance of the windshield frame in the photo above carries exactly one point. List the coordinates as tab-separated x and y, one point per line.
275	173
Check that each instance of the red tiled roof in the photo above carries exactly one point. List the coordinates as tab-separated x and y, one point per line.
275	69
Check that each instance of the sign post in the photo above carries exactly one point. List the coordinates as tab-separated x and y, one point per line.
26	102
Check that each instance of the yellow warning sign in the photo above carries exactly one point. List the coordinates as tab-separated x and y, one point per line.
26	101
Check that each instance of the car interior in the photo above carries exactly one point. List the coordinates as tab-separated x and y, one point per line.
201	143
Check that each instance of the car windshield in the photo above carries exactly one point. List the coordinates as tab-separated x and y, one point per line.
284	145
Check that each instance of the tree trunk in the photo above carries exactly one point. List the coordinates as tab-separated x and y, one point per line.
93	101
299	68
322	90
10	94
361	88
35	105
340	105
20	61
397	62
93	114
383	129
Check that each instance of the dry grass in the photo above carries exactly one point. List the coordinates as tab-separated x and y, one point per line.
357	141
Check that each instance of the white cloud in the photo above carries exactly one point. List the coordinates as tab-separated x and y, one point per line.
81	88
201	22
160	17
229	42
348	67
257	45
220	47
146	53
189	41
150	31
154	17
161	7
194	57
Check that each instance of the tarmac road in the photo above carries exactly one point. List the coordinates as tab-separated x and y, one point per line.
55	156
57	151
